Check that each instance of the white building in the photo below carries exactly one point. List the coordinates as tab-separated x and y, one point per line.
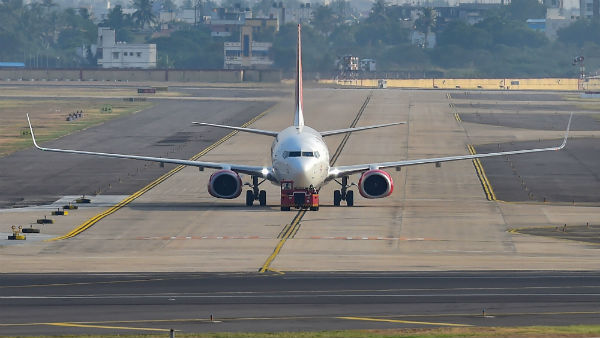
247	54
589	8
112	54
557	18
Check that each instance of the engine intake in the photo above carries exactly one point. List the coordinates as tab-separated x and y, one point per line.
225	184
375	184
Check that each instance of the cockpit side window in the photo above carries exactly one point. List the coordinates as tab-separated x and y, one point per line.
285	154
307	154
295	153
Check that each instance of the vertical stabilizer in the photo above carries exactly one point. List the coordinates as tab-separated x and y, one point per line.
298	117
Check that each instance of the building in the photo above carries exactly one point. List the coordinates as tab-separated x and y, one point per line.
423	40
302	14
112	54
261	24
247	54
589	9
537	24
557	18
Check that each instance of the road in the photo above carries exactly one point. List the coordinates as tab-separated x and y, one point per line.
50	304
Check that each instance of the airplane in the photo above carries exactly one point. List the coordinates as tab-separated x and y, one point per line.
300	156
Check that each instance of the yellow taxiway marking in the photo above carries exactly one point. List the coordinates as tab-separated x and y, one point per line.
290	229
90	222
108	327
402	321
487	186
110	324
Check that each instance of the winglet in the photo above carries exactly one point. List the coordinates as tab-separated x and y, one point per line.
566	132
32	134
298	116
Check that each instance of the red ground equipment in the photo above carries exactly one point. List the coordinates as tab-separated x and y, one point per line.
298	198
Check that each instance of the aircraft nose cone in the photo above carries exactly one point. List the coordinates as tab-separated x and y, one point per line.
302	172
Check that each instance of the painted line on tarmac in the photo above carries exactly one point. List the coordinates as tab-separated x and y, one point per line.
346	238
90	222
229	319
86	283
107	327
292	229
403	321
485	183
287	231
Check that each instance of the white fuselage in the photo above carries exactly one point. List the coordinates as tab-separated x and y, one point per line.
299	154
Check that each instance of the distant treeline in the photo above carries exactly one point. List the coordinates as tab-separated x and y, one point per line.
501	45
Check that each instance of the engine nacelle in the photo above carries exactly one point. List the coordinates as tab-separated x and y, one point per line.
225	184
375	184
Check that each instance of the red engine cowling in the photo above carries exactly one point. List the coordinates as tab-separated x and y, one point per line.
375	184
225	184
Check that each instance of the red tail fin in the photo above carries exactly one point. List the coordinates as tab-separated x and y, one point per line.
298	116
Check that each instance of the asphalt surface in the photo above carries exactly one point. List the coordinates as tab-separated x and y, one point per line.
570	175
589	233
535	121
518	107
504	96
32	177
41	304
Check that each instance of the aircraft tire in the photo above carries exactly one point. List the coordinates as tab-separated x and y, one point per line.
350	198
337	198
249	198
262	198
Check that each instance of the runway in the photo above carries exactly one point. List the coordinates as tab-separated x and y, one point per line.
48	304
434	253
437	219
32	177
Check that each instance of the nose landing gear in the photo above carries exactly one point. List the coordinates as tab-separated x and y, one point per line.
255	193
343	194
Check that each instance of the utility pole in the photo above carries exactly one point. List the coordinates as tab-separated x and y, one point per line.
578	60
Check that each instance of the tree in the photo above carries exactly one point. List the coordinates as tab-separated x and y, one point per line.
378	12
526	9
324	20
143	16
580	32
425	22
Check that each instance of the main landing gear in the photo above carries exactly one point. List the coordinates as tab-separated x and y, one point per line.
343	194
255	194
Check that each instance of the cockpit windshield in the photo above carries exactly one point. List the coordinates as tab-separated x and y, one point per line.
287	154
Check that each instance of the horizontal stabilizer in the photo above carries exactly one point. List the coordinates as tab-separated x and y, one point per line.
348	130
247	130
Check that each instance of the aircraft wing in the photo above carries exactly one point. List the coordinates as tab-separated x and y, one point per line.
340	171
247	130
239	168
347	130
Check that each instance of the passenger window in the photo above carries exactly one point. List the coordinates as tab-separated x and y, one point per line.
295	154
307	154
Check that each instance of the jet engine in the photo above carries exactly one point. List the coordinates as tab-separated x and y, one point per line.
225	184
375	184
